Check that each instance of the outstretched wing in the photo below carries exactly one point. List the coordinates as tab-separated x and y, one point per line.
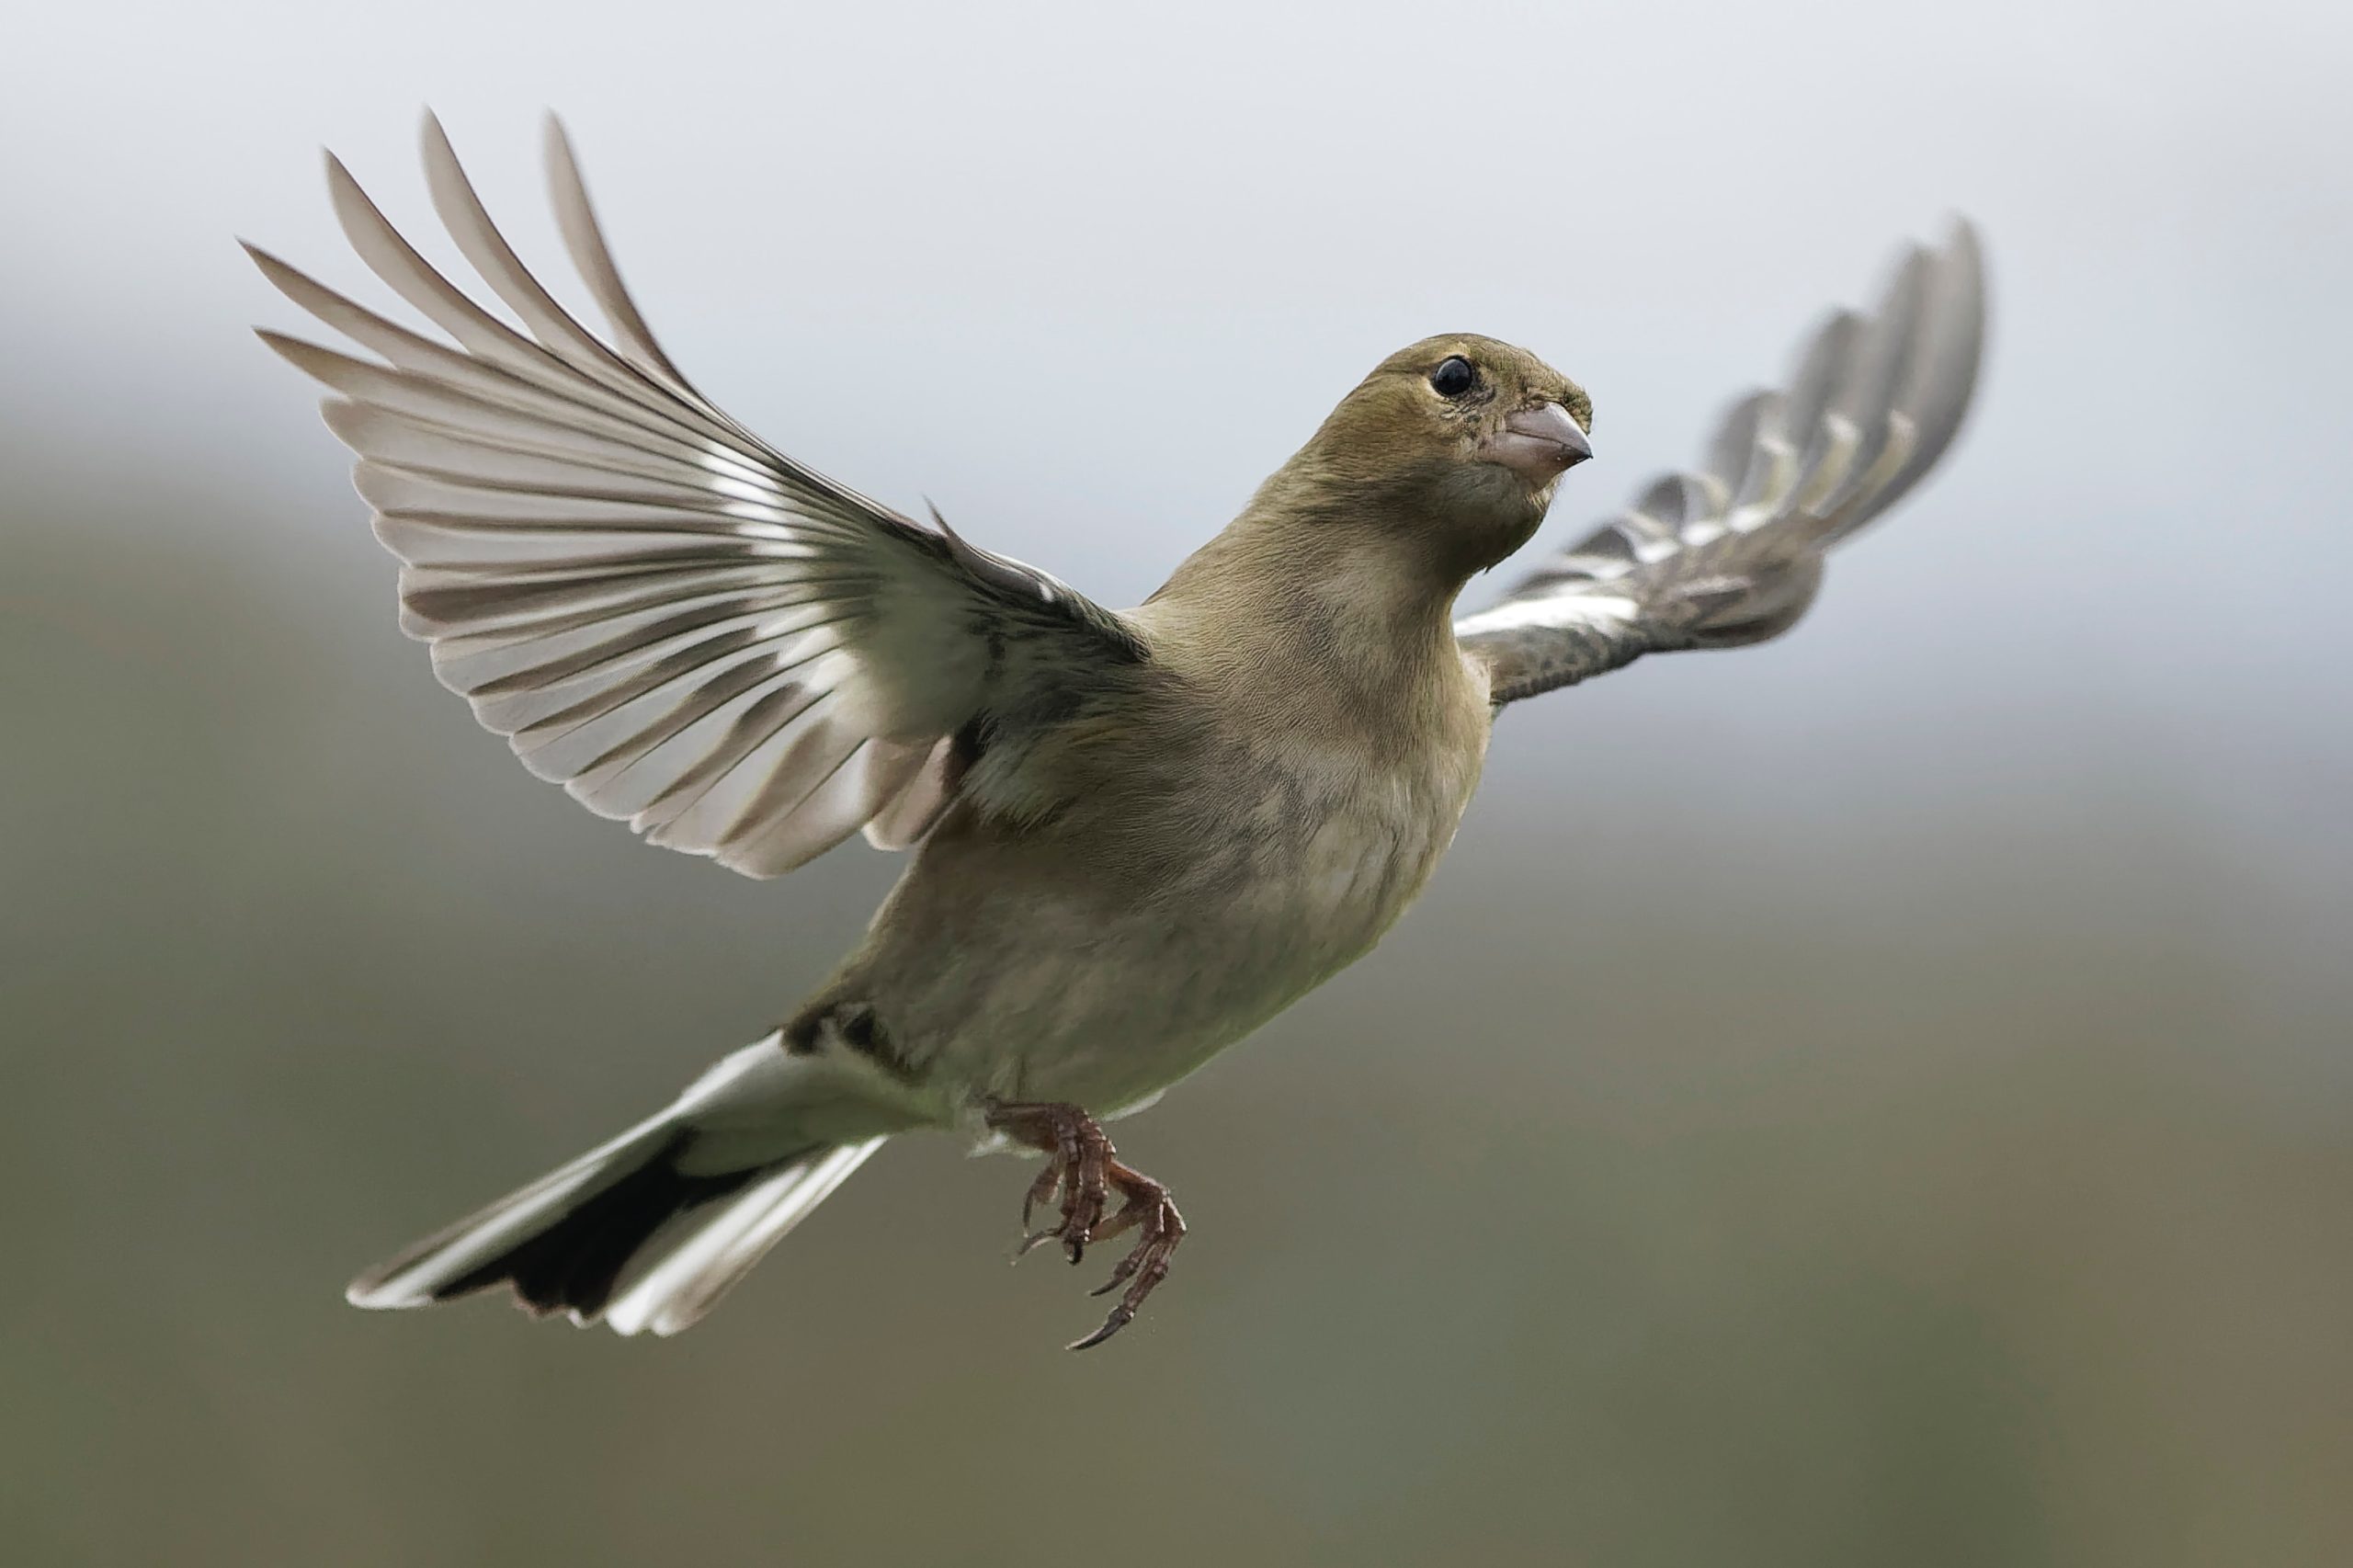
681	625
1732	552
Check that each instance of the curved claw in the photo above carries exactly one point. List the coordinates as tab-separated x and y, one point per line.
1121	1315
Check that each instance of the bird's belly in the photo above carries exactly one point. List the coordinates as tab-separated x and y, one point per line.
1105	1001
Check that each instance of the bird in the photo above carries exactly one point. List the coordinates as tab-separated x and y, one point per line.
1133	837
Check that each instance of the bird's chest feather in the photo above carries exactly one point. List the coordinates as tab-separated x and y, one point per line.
1337	828
1210	873
1311	857
1347	842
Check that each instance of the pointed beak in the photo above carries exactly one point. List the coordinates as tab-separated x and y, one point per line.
1539	442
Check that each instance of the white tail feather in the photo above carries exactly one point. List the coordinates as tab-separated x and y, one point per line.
687	1277
648	1230
413	1279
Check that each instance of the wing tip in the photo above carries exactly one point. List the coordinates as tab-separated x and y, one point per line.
1956	267
273	268
286	346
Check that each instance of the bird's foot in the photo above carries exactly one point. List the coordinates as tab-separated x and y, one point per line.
1081	1166
1078	1157
1149	1207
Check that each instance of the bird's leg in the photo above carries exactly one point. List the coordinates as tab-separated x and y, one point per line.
1077	1154
1149	1206
1080	1163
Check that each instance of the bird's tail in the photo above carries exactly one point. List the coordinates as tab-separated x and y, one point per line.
646	1232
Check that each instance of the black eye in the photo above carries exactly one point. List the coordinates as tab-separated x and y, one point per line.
1453	377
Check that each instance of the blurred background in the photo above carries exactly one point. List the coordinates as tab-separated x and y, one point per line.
1883	1097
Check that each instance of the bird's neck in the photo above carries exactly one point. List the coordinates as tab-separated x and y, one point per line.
1326	588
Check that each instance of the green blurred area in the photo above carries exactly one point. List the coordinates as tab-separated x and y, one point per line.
1692	1179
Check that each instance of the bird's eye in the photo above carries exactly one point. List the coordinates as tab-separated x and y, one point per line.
1453	377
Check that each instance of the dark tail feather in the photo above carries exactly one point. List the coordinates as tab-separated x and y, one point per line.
574	1265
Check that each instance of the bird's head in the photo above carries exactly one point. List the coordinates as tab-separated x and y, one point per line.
1459	439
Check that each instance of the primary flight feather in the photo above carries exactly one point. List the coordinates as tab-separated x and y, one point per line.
1137	834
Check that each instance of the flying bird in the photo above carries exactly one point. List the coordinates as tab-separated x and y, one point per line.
1133	835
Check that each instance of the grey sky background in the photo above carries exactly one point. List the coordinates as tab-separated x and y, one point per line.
1880	1096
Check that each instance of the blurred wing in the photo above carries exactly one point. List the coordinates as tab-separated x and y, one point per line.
1732	552
681	625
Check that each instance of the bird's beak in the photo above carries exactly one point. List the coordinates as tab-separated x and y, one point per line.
1538	442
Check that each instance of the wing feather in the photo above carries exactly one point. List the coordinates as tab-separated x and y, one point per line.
1731	552
682	626
585	237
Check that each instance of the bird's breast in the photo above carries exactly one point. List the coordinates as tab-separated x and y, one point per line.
1349	838
1213	868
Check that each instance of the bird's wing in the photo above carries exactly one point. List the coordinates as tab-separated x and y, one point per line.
684	627
1732	552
